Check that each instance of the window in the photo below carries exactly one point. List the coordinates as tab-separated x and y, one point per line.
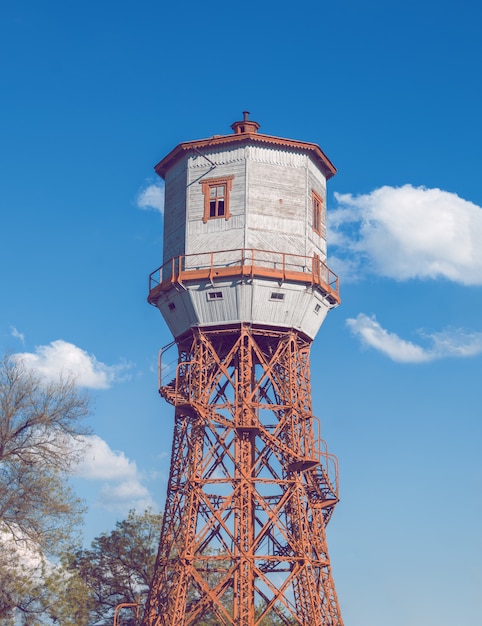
216	197
215	295
318	217
275	295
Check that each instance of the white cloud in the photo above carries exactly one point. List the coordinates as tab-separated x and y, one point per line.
152	197
102	463
130	494
26	554
449	343
64	358
122	484
17	334
407	232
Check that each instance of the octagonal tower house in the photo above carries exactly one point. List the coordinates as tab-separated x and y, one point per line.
245	233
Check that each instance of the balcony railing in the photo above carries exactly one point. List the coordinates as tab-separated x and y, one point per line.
247	263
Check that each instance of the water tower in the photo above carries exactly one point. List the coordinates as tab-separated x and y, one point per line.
244	288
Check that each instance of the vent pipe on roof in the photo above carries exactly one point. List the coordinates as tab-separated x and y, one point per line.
245	126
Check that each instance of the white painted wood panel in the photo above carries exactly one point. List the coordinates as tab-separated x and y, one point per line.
270	209
277	156
217	156
260	301
175	211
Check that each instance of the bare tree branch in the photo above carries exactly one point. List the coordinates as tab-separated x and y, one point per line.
41	441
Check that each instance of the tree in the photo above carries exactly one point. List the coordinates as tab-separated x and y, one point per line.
41	439
119	566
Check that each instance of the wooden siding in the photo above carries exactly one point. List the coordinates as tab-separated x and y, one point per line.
299	307
270	209
277	156
271	240
217	156
178	310
270	202
276	190
219	233
215	235
175	212
316	182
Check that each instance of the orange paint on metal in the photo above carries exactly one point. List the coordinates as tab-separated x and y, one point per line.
251	486
247	264
126	605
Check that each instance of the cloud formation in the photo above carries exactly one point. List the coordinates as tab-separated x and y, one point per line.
449	343
407	232
125	496
20	557
102	463
122	484
17	334
64	358
152	197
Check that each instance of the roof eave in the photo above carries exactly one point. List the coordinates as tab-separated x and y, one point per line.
218	140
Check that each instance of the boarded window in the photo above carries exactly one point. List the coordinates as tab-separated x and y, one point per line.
318	217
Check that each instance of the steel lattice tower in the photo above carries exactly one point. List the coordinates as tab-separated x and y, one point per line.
252	485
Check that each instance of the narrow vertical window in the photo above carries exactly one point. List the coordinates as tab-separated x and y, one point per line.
216	197
318	217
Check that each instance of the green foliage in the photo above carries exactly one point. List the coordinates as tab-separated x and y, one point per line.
41	435
67	600
43	579
38	423
119	566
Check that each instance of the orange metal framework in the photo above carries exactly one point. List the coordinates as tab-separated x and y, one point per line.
126	605
244	263
251	486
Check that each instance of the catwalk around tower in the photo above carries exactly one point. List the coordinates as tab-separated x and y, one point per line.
244	288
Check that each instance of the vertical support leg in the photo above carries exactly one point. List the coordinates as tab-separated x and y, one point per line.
248	498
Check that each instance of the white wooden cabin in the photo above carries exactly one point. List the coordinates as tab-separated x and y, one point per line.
245	233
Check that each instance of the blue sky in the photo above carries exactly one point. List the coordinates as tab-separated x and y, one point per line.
93	94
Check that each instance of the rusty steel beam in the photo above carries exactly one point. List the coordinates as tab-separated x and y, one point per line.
251	487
